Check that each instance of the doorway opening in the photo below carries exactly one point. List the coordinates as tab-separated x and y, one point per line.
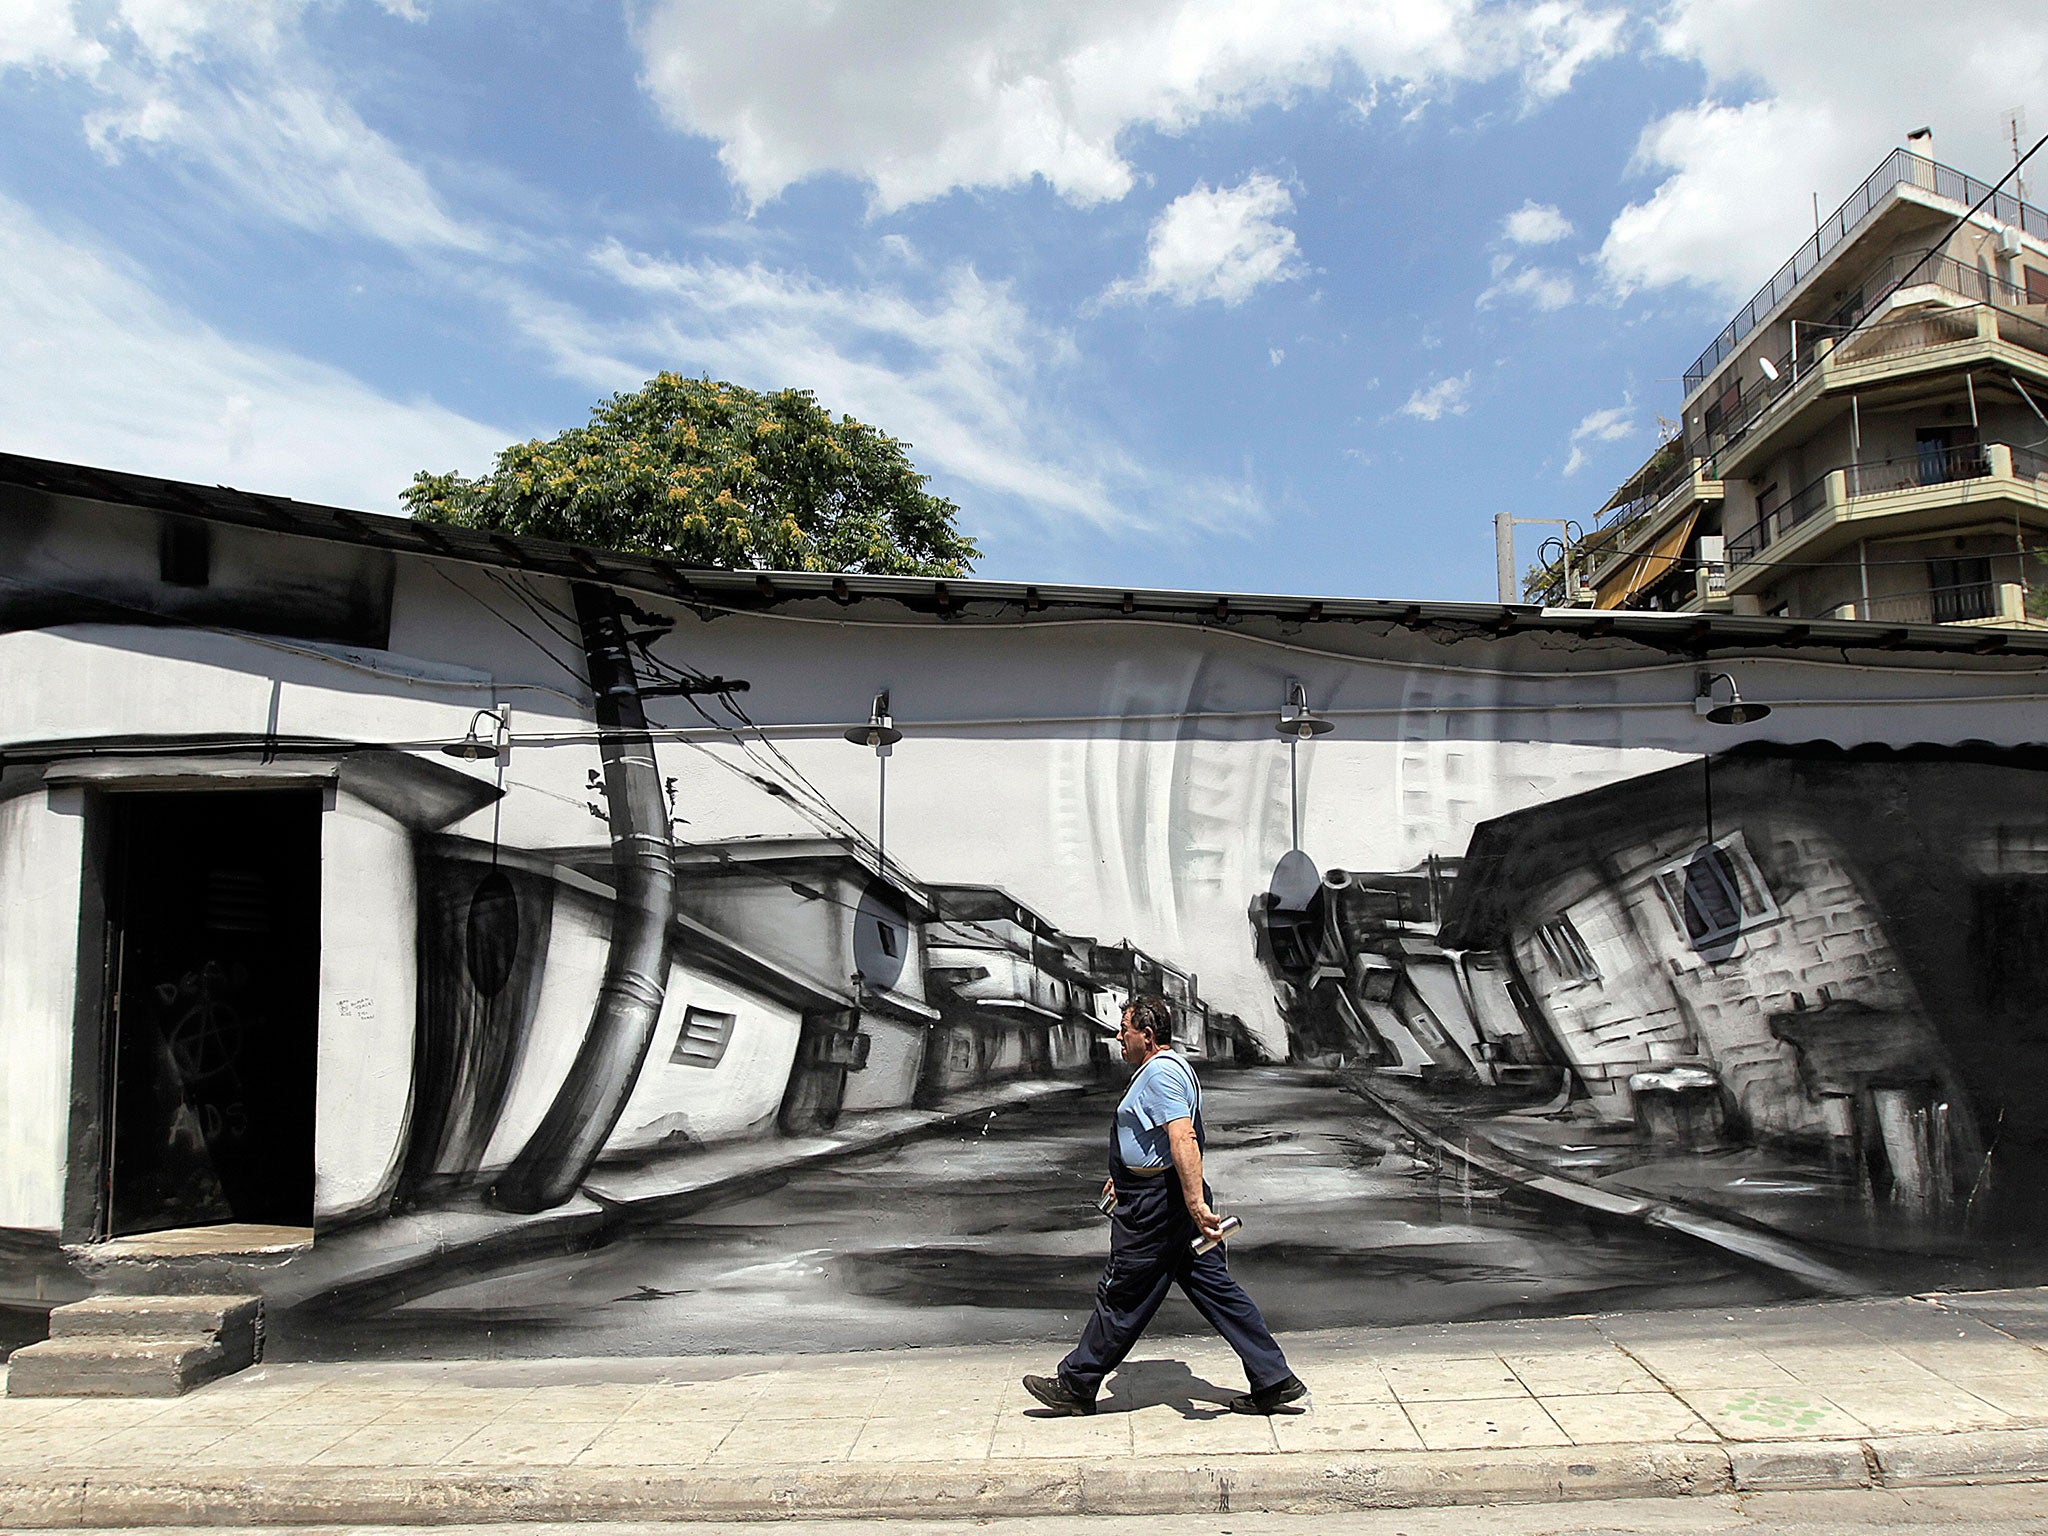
212	1025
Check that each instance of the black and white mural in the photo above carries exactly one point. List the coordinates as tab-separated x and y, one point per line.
478	1011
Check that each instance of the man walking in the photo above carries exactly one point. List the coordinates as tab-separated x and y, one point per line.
1162	1206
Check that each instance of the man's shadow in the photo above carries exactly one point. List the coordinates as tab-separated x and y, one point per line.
1158	1383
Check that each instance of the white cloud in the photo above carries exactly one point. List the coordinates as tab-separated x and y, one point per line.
96	368
1446	397
1220	243
1544	287
1276	355
38	35
1536	223
1604	426
229	90
1807	98
919	97
955	374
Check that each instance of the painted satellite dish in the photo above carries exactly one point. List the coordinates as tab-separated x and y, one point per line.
1295	881
881	940
493	938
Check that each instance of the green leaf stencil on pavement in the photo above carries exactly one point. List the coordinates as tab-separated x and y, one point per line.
1774	1411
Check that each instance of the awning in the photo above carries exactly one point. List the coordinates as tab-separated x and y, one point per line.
410	787
1631	576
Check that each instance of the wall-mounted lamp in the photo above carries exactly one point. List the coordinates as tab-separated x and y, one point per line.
1734	712
473	748
1297	719
879	733
1298	723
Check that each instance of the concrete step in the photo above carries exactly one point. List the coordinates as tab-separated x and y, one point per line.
234	1320
139	1346
106	1365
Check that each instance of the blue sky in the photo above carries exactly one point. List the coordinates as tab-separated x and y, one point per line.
1224	294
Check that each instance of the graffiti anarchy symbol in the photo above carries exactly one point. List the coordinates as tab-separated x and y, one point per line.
1774	1411
205	1030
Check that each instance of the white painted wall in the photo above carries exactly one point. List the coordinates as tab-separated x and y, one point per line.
895	1057
577	944
86	680
368	1006
41	859
677	1104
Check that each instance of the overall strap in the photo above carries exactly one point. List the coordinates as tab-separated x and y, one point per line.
1195	1083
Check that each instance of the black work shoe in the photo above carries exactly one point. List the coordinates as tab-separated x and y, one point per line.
1290	1389
1058	1396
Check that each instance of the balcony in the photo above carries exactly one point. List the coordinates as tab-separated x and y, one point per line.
1899	168
1942	335
1922	493
998	982
1645	542
1990	603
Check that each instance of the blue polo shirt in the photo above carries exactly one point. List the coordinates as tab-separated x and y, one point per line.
1162	1091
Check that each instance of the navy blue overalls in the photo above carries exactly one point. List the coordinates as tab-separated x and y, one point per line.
1150	1248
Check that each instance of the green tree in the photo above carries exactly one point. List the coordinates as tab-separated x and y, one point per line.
708	473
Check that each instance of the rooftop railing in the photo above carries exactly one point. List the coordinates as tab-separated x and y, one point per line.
1900	167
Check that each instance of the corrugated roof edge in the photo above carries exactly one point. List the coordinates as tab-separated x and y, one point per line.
950	598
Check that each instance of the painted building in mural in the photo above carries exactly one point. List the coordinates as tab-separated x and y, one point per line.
313	884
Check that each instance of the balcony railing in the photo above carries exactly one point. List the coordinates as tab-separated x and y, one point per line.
1743	407
1648	498
1911	269
1963	602
1899	167
1931	466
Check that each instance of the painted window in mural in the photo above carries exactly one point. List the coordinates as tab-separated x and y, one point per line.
1717	893
1566	951
703	1038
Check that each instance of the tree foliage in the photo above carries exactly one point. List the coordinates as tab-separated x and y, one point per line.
709	473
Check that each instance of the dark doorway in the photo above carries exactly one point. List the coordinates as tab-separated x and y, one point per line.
214	901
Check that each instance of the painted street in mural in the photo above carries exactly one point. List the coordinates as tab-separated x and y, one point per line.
988	1233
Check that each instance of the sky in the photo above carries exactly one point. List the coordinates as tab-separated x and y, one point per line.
1232	295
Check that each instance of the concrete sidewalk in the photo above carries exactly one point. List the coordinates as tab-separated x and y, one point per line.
1889	1393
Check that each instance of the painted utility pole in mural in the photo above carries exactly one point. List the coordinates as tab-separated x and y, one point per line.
586	1109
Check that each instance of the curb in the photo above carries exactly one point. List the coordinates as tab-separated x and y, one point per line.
1299	1482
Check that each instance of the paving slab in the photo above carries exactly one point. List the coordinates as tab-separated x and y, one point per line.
1897	1394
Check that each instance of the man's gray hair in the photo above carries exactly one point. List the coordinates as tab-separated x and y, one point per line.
1153	1014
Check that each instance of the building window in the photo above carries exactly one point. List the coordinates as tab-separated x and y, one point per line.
2037	285
1960	589
1716	893
1565	952
703	1038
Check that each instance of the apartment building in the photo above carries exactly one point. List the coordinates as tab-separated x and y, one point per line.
1867	437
